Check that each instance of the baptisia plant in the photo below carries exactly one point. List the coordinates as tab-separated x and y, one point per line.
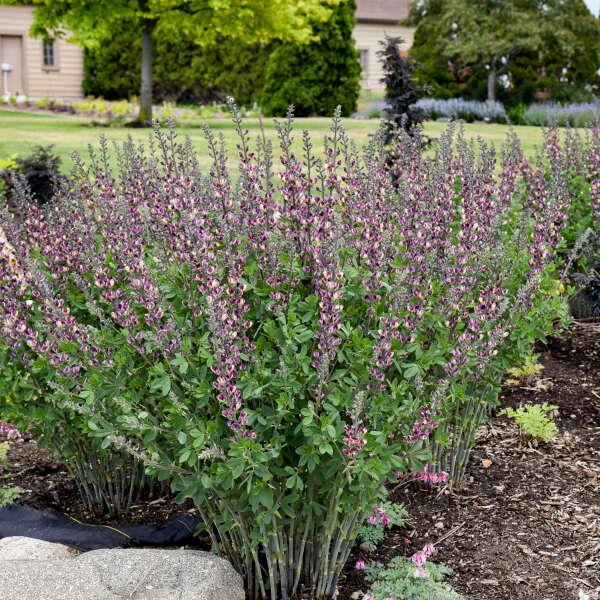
226	335
277	346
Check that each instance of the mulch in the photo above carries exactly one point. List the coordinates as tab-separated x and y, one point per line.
526	523
524	526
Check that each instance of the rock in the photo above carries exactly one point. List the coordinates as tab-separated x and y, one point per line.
24	548
136	574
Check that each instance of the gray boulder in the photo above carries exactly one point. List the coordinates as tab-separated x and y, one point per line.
117	574
24	548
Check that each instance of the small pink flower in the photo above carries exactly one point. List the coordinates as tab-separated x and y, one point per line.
360	565
419	558
386	521
421	573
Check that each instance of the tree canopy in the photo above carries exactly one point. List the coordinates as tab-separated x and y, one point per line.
551	43
251	21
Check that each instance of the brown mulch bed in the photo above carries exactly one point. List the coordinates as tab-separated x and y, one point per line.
526	523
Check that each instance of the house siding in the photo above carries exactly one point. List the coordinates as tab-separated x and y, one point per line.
62	81
368	37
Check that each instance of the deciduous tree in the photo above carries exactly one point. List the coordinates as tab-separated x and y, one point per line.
91	23
458	40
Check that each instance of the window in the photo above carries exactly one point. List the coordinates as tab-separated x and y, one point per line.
49	54
364	63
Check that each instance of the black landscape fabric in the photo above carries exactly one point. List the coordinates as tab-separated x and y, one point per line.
52	526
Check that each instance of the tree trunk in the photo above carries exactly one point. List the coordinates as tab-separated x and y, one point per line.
491	82
145	115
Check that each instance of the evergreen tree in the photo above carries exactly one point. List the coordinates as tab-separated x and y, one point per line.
183	70
318	76
401	91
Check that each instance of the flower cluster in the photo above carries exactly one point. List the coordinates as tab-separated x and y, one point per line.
379	516
312	330
10	431
430	477
423	427
420	558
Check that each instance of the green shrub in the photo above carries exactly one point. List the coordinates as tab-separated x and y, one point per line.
534	421
183	70
397	580
42	103
516	114
40	171
319	76
9	495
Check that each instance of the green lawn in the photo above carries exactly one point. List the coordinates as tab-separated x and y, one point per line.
20	131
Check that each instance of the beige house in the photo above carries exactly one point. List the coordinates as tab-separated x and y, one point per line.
374	20
33	67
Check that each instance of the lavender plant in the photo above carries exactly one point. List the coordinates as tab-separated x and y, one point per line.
468	110
562	115
277	347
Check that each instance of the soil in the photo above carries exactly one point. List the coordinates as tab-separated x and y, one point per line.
524	526
45	483
526	523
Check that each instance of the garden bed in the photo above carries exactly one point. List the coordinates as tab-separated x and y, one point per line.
526	524
47	484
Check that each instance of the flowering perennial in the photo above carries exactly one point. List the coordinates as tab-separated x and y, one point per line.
278	347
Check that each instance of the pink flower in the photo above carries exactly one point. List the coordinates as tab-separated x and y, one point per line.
428	550
379	517
360	565
430	477
419	558
10	431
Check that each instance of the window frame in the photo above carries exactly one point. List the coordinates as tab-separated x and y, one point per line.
54	66
364	63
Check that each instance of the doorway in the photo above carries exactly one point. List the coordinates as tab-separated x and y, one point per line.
11	52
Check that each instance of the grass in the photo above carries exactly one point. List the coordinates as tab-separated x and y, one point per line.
21	131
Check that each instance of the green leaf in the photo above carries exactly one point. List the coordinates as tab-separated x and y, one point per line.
412	371
237	467
265	497
180	363
162	385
